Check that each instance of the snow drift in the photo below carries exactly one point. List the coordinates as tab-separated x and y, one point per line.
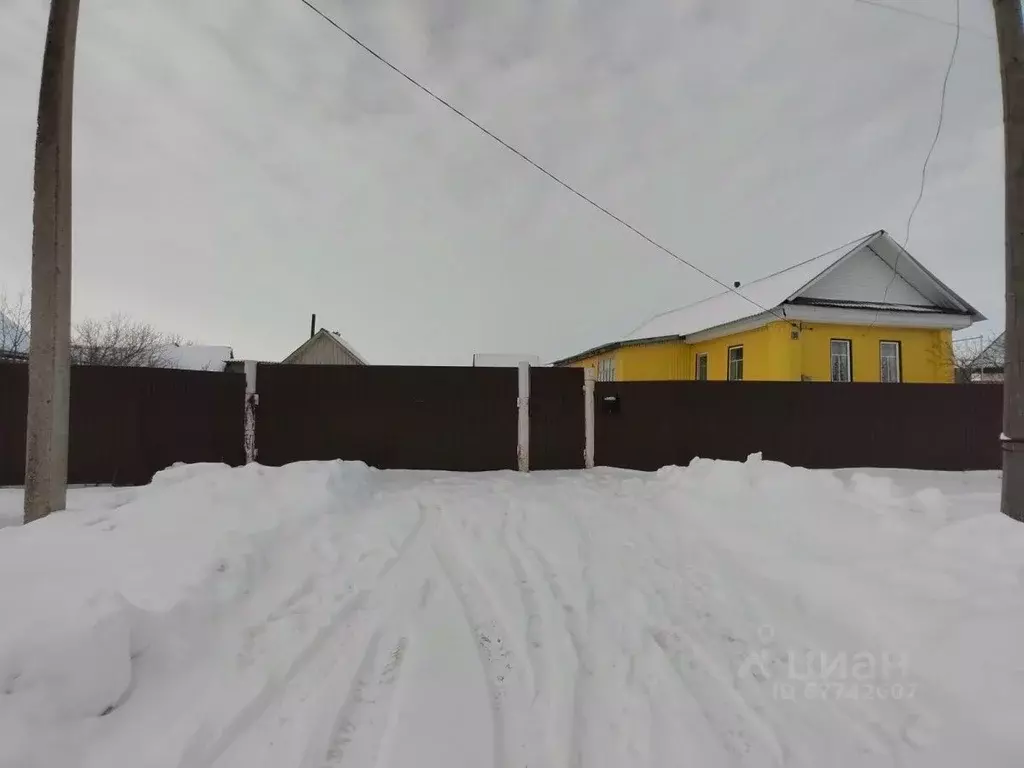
721	614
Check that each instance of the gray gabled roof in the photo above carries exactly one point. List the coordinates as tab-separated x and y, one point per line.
332	336
993	356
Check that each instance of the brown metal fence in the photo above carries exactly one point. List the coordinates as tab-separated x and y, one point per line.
128	423
13	399
557	437
647	425
391	417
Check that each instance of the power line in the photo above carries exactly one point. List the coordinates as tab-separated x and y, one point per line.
842	247
925	16
524	157
927	159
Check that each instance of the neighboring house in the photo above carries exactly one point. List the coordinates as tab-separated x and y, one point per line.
988	365
196	357
325	348
866	312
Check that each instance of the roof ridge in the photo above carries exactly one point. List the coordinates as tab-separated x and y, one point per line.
851	244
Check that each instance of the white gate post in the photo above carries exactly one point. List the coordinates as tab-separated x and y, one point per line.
524	417
588	417
251	400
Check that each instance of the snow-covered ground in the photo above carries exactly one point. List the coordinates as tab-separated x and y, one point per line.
326	614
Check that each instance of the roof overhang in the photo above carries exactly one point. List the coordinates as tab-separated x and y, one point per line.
606	348
882	317
737	326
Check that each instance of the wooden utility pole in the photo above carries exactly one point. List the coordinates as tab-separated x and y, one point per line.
46	454
1011	68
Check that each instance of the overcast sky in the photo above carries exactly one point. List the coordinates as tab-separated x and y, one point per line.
239	164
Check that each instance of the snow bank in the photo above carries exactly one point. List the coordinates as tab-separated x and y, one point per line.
83	594
721	614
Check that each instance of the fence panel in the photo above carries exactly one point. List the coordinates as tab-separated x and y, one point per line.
13	402
557	436
646	425
126	424
391	417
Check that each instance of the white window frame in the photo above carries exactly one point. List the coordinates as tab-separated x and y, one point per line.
729	363
606	369
899	361
848	344
702	357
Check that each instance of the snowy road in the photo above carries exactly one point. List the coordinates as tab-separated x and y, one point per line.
330	615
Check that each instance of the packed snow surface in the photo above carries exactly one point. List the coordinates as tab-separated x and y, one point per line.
327	614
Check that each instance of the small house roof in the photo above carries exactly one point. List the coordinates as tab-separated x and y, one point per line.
992	356
333	336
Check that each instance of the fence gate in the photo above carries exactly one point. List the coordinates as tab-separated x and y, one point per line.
391	417
556	418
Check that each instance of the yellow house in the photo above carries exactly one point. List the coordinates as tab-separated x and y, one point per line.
866	312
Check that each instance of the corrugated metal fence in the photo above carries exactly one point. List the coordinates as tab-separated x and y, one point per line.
400	417
647	425
128	423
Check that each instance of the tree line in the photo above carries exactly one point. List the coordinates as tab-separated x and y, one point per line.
116	340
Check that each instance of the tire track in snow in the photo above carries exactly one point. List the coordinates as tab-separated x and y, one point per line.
200	755
577	635
493	657
367	714
540	642
535	639
361	729
744	733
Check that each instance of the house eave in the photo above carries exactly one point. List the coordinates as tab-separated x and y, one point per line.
900	318
611	347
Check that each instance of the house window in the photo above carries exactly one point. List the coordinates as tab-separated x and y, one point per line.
700	367
889	358
606	369
736	363
840	354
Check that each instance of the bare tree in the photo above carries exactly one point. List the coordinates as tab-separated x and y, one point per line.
120	341
116	340
15	319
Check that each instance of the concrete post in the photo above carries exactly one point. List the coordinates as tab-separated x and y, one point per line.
1011	66
588	417
524	417
49	387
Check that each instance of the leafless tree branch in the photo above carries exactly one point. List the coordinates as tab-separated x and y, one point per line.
116	340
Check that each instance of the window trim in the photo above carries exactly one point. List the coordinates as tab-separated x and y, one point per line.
899	360
696	366
729	361
849	359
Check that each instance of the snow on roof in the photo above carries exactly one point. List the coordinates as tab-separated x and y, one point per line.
197	357
351	350
730	306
